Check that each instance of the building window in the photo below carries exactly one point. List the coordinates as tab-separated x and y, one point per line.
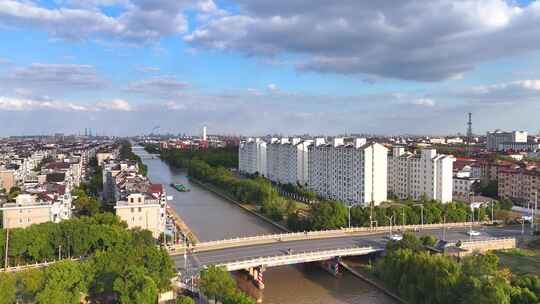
132	210
140	209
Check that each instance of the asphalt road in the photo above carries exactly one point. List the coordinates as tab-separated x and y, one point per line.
219	256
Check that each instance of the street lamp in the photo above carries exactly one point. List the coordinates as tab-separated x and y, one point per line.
534	211
421	213
349	207
390	218
492	218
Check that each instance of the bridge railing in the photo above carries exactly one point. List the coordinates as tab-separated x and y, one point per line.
300	257
268	238
36	265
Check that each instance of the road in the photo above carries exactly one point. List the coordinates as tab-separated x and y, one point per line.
219	256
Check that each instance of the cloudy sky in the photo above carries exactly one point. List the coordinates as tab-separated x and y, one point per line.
256	67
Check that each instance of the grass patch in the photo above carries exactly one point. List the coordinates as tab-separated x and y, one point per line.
520	261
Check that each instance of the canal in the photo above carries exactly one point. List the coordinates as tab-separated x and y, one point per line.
211	218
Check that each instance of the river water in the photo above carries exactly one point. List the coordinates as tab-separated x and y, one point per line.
212	218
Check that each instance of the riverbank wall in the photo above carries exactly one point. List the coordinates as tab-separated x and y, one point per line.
246	207
182	226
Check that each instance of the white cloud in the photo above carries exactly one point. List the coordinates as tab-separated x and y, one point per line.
162	86
172	105
54	76
21	104
148	69
409	39
272	87
115	105
140	21
424	102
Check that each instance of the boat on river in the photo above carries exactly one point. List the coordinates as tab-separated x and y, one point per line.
180	187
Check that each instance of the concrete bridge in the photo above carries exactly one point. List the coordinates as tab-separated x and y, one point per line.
255	254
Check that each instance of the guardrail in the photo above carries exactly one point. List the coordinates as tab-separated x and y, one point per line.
296	258
270	238
36	265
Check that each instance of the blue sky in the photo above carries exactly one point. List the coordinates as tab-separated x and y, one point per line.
256	67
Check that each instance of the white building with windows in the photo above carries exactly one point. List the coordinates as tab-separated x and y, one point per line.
252	156
463	183
287	160
354	173
499	140
426	173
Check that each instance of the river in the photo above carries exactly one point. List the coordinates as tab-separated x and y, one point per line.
211	218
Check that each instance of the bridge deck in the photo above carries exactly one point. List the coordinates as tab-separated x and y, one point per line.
229	255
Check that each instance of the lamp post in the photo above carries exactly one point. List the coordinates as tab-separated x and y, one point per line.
534	211
403	215
421	213
390	218
350	207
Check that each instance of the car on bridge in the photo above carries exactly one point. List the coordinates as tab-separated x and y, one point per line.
473	233
395	237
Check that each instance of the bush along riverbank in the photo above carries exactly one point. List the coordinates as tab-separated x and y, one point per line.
421	277
326	214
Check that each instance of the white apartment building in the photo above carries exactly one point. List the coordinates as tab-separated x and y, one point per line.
354	173
31	209
426	173
497	139
287	160
252	156
144	210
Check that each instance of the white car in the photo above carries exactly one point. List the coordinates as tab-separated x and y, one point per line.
473	233
395	237
527	218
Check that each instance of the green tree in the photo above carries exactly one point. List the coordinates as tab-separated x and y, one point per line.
184	300
238	298
216	283
522	296
63	283
134	286
428	240
32	282
7	288
329	215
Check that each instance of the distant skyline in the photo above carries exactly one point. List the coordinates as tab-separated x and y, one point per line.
257	67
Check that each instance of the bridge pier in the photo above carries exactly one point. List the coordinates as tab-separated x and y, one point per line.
331	266
256	274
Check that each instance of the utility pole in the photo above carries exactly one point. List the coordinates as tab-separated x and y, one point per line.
7	248
444	227
534	212
349	207
492	218
421	213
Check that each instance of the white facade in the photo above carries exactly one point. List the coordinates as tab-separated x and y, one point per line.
495	139
415	175
204	136
463	186
353	173
252	157
287	161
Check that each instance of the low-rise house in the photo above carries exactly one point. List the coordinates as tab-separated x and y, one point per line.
39	208
145	210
